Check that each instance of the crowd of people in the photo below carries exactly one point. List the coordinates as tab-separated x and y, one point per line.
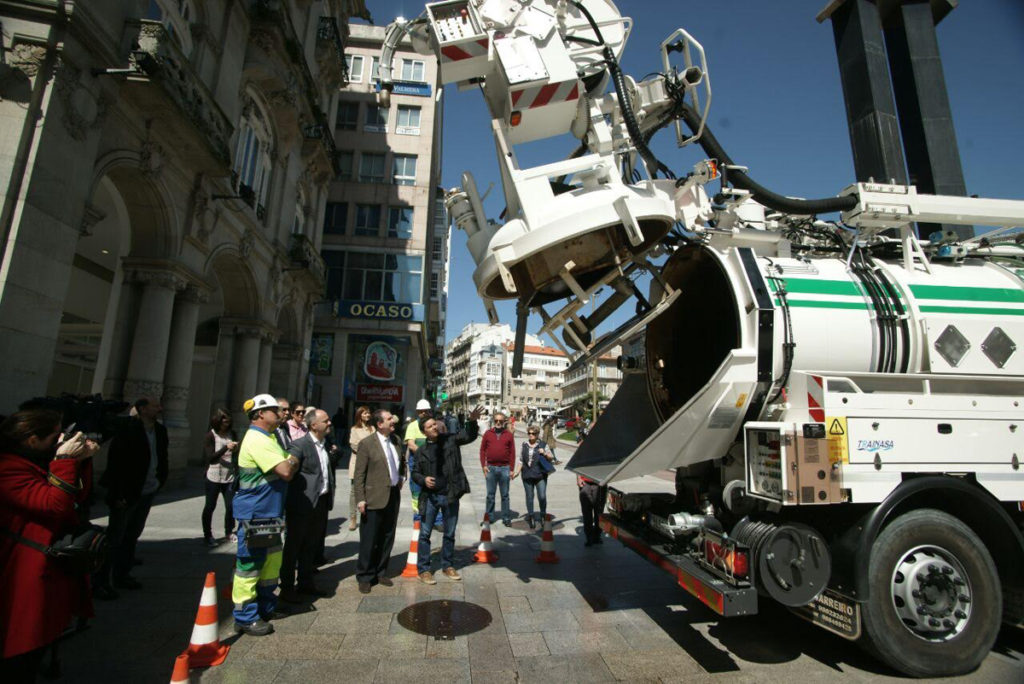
276	480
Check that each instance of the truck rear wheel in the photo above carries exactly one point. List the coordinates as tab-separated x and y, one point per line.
935	601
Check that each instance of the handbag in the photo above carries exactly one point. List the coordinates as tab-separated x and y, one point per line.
81	551
546	465
262	533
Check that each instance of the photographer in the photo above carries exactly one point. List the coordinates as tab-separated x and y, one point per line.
42	484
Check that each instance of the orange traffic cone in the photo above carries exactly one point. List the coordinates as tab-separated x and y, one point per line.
204	648
180	674
547	543
413	559
485	553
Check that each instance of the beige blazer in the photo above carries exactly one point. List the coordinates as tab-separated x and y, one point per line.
355	436
372	479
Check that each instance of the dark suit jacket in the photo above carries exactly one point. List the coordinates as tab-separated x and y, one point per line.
304	488
128	461
372	482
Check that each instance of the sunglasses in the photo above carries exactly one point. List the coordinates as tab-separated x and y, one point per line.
532	434
299	412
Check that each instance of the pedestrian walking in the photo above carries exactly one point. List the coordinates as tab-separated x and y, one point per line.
534	465
443	482
592	498
43	484
497	457
264	470
136	470
549	438
306	508
219	455
360	430
378	480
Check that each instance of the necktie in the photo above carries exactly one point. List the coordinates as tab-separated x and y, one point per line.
392	464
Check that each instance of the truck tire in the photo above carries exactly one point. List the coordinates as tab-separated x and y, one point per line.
935	601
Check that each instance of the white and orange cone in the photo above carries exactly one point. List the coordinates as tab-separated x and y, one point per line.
547	543
204	648
180	674
485	553
413	559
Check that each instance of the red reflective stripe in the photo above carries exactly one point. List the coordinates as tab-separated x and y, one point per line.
818	380
483	43
516	95
455	53
575	93
545	95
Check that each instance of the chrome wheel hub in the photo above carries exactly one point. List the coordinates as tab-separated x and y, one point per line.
931	593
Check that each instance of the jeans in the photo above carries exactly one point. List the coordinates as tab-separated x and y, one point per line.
227	491
541	487
432	504
123	532
498	476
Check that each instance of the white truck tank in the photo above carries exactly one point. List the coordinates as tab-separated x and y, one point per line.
744	322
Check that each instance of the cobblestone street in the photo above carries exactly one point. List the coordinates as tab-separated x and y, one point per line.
600	614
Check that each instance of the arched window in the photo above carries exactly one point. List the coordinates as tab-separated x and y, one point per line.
253	157
177	17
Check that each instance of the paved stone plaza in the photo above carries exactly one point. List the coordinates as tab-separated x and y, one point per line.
601	614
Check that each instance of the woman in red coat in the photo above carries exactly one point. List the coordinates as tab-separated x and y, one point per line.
41	486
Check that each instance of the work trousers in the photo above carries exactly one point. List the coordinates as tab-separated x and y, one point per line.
498	478
226	490
592	500
305	529
414	489
256	576
432	505
376	539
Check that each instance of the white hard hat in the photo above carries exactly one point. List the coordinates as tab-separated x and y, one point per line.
422	405
260	401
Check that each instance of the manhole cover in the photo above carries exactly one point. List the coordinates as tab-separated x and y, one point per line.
444	619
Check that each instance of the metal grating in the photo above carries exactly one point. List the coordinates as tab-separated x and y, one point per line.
952	345
998	347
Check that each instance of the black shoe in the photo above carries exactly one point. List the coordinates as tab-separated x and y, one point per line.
313	591
258	628
532	524
127	583
289	595
385	581
104	592
506	523
275	615
364	587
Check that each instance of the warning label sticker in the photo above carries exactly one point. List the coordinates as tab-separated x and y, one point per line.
838	444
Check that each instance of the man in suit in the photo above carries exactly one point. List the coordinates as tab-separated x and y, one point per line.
309	495
136	470
379	473
281	434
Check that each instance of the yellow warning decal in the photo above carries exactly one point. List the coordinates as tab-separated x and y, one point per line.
838	445
742	400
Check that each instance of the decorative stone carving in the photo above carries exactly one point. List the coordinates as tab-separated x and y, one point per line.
82	110
90	217
195	294
176	394
164	279
134	389
246	243
151	158
26	58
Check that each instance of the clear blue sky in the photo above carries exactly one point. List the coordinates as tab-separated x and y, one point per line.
777	105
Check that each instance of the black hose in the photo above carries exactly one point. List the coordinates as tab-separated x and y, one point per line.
760	193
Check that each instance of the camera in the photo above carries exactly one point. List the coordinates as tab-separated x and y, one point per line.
97	417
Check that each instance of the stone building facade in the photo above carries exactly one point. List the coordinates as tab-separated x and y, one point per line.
386	235
166	165
578	385
538	389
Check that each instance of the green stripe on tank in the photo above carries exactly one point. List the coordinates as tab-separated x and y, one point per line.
825	287
968	294
815	304
978	310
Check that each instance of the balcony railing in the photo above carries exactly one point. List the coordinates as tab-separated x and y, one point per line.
156	54
328	37
304	256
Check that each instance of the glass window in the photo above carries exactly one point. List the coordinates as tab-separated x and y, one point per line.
335	218
345	165
405	169
413	70
400	223
434	284
371	168
252	158
355	68
367	219
376	120
373	277
408	120
348	116
374	68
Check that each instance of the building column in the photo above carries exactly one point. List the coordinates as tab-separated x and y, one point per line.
182	344
266	358
121	339
246	366
152	335
222	370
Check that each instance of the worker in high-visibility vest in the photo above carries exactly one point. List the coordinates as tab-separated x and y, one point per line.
264	470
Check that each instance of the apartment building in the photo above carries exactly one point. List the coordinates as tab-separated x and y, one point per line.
538	389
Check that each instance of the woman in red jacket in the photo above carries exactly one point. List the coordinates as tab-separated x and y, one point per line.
42	483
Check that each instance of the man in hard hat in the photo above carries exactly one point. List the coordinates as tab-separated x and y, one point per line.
412	434
264	470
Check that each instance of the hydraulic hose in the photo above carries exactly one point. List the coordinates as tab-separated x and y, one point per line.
760	193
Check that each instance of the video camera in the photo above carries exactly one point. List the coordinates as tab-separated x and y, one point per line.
97	417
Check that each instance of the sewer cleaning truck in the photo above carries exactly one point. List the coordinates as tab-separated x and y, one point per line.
820	407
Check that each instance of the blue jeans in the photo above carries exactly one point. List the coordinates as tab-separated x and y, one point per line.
498	476
541	486
431	505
